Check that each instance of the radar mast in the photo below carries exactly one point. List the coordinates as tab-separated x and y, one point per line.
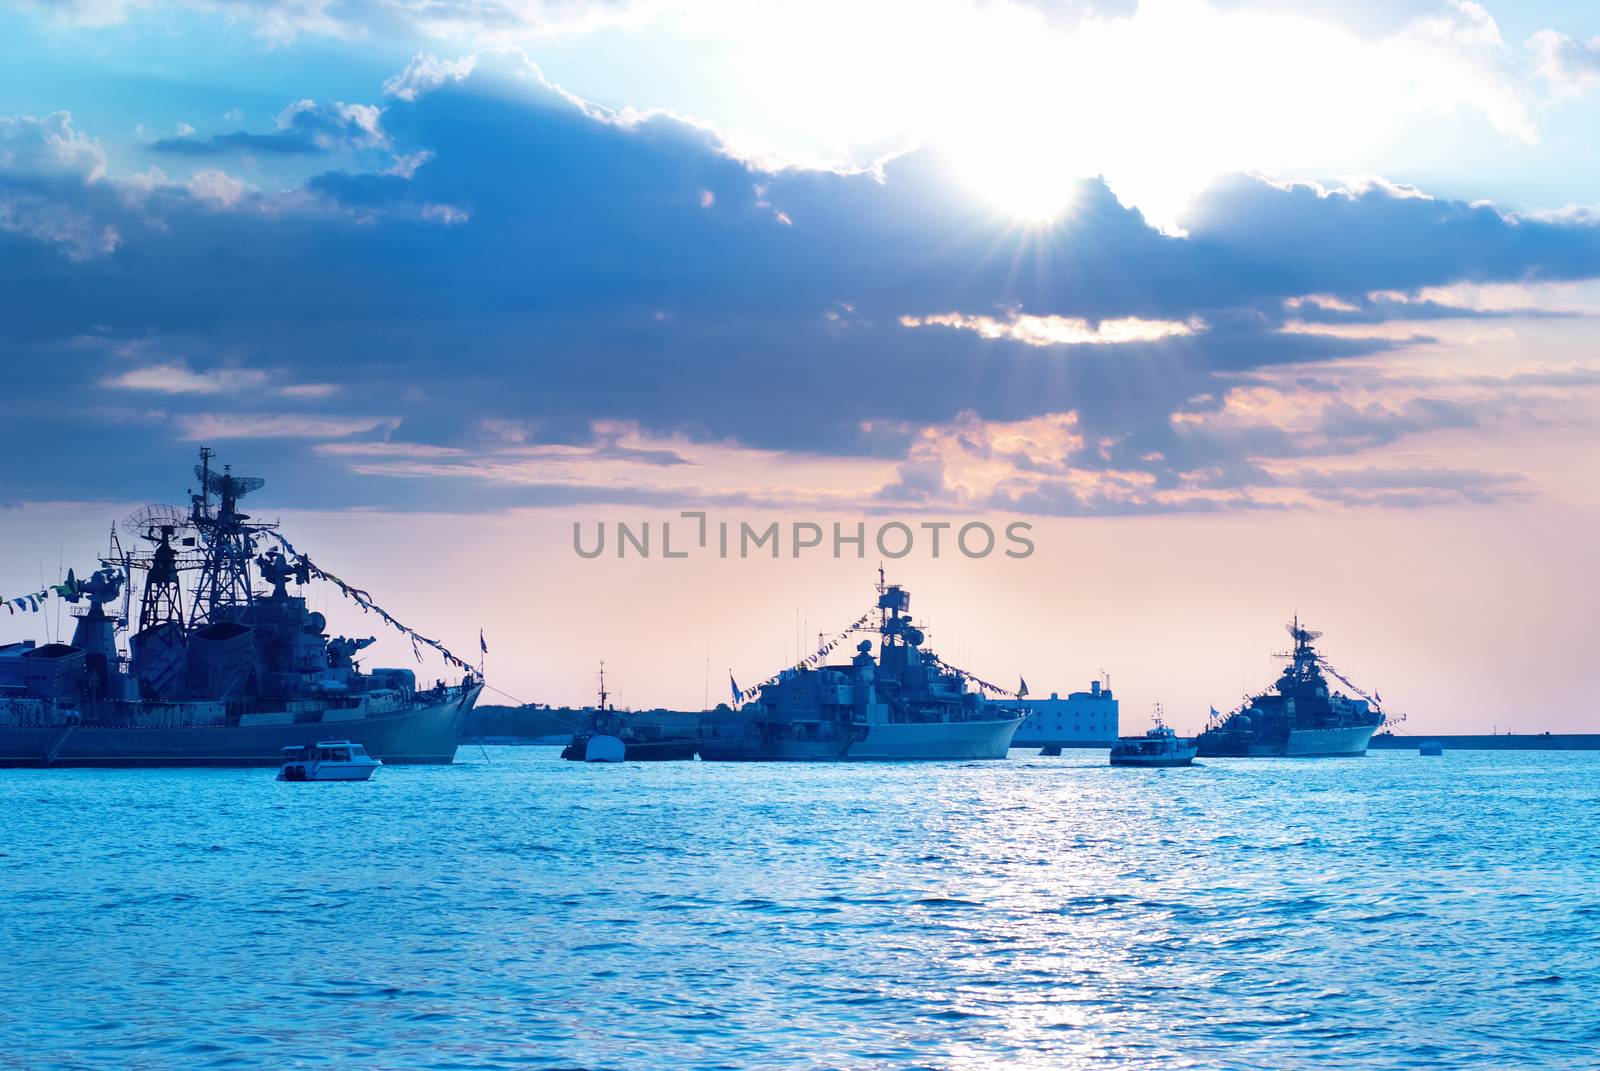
228	539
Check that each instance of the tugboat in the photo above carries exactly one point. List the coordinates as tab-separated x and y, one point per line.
1159	746
1300	717
607	736
328	760
206	667
903	704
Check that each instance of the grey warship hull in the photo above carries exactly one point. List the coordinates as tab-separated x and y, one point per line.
884	742
426	734
903	705
1346	741
1299	717
226	669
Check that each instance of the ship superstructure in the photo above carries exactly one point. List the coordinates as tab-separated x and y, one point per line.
903	703
228	672
1299	716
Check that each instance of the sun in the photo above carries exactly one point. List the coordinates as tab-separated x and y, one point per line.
1031	178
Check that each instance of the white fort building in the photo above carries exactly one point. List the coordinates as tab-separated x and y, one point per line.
1081	719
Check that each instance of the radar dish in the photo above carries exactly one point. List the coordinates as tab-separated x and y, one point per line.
1307	634
219	482
146	522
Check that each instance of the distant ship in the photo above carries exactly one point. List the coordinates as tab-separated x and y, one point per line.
239	677
640	741
903	704
1299	717
1159	746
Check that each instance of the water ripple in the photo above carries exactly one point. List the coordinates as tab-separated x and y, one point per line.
1390	912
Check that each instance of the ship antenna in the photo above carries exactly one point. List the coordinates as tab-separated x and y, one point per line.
124	559
205	480
602	684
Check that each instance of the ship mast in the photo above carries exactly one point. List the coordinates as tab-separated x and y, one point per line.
224	587
163	598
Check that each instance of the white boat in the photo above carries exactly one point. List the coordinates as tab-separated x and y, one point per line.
1159	746
328	760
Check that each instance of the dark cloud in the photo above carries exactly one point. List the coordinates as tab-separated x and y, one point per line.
553	266
1302	239
1369	309
240	141
304	128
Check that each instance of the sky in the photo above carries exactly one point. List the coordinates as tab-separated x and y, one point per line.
1248	309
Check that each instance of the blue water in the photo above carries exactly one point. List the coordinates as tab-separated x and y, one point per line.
1386	912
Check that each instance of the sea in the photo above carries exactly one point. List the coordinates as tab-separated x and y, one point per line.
517	911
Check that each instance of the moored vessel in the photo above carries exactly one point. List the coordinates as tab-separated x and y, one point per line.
208	667
1159	746
607	735
1300	716
903	704
328	760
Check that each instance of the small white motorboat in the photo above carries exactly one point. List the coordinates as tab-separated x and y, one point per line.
1157	747
329	760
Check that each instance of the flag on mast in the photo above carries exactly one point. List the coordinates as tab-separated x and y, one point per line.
1022	687
482	646
734	685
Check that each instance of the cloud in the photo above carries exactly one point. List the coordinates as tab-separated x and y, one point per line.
239	141
1351	241
1570	68
303	128
45	163
558	269
281	21
218	187
49	146
179	379
1381	307
1375	486
212	427
1057	330
77	235
1262	84
276	21
427	72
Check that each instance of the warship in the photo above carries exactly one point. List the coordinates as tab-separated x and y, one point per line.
903	704
244	672
1300	716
